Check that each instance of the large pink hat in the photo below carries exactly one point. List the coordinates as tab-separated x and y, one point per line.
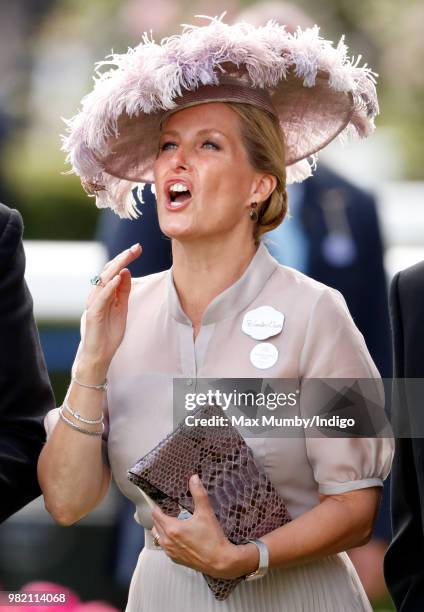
316	91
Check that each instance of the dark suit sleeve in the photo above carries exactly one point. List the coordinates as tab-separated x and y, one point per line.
25	391
403	564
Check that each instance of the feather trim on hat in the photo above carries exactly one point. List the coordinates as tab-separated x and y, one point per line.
148	78
301	170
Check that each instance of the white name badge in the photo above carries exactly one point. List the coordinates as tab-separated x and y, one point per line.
263	322
264	355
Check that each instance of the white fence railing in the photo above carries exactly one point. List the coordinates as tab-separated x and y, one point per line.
58	273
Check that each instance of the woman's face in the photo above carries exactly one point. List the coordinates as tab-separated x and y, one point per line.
204	181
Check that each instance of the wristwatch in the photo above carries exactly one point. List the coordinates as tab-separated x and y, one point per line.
263	561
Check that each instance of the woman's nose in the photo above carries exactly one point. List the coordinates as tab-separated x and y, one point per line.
180	159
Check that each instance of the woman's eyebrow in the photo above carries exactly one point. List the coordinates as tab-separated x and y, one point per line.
199	133
211	130
169	132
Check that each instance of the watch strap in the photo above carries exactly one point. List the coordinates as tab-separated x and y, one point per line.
263	560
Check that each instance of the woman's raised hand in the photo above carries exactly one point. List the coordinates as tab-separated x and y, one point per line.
106	316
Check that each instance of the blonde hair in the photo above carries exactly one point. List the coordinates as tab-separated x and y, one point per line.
264	142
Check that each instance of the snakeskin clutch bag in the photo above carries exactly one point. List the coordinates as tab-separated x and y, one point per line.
244	500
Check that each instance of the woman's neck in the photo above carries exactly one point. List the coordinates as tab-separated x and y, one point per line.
204	270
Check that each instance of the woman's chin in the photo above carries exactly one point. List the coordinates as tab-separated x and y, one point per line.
178	231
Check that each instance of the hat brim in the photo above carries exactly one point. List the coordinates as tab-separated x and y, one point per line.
310	118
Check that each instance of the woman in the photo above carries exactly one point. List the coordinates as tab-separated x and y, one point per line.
219	162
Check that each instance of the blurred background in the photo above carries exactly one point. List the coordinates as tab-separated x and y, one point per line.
47	52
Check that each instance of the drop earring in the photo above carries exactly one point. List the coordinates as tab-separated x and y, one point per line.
253	213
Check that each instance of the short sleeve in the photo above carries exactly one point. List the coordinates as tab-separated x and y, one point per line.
346	464
335	349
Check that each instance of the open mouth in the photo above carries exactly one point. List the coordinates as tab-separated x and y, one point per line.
179	194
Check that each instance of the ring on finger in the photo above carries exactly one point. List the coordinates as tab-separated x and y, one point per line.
97	280
156	540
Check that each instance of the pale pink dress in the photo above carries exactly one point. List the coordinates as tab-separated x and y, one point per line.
318	340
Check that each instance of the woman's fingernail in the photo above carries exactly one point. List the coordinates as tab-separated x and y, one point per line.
135	247
195	478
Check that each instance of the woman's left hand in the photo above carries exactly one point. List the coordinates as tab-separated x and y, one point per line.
198	542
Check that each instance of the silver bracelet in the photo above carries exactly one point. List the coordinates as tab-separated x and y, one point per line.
79	417
102	387
78	428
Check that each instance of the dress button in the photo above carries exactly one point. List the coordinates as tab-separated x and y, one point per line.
189	382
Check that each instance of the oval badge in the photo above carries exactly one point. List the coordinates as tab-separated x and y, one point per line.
263	322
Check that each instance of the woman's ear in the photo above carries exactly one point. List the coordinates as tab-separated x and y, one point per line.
264	187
